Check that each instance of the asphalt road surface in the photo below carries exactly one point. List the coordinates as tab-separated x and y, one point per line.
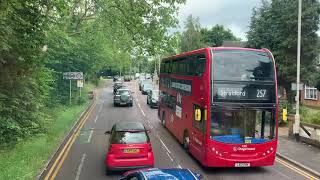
85	160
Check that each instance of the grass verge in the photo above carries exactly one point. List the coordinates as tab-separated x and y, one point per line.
26	159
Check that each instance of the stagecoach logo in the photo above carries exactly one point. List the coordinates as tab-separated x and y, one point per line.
223	92
244	148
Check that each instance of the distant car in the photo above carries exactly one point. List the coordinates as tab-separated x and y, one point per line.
127	78
146	88
117	85
148	76
161	174
153	98
129	147
123	97
115	78
141	83
136	76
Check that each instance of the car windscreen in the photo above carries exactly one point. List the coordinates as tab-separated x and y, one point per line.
242	65
128	137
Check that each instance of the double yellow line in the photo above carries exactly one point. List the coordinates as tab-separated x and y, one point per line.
296	169
64	152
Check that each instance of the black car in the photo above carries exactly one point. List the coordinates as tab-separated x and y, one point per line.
117	85
115	78
153	98
123	97
146	88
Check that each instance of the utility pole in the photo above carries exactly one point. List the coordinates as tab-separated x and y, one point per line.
296	128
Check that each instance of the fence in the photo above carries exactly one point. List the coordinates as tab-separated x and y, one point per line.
309	133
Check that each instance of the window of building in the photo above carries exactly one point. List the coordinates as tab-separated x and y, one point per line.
310	93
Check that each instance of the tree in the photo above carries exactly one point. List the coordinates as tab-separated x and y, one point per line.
217	35
274	26
191	37
80	35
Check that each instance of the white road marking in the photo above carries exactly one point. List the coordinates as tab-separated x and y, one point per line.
95	120
170	157
141	110
179	166
80	167
164	145
90	136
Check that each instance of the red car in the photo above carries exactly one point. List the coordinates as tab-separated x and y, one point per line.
129	147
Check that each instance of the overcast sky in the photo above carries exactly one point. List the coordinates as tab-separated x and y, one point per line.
234	14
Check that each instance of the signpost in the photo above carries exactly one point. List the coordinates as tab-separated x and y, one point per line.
80	86
74	76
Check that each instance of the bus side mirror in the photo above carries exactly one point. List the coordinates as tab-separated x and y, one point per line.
197	114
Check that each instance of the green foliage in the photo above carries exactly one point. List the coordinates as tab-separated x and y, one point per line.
310	115
274	26
217	35
191	37
39	40
28	156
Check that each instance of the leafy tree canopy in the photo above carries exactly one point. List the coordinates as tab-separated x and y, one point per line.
274	26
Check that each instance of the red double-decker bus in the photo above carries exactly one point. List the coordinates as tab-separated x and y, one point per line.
221	104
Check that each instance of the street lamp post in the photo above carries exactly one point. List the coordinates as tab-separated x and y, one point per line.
296	128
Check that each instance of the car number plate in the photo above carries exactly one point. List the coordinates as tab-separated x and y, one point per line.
123	103
242	165
131	151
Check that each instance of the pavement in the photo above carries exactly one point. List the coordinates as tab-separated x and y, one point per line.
300	153
85	160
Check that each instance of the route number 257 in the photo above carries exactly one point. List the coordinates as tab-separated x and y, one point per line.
261	93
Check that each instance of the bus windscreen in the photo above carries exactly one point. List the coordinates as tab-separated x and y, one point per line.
240	65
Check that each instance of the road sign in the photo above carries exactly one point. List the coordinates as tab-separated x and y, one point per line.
73	75
79	83
294	86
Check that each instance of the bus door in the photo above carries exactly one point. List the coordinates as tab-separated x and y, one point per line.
197	138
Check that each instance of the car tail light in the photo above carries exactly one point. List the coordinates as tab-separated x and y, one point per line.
110	151
149	147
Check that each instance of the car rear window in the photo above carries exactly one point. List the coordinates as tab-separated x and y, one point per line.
123	92
125	137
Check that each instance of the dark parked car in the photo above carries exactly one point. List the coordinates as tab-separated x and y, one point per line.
153	98
123	97
129	147
161	174
146	88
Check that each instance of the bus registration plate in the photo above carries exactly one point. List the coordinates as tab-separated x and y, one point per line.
242	165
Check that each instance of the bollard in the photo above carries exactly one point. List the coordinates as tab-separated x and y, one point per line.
290	124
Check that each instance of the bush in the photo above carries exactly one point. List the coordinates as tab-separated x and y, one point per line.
315	118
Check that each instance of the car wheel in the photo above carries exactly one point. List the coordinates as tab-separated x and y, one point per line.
114	104
163	121
147	101
131	104
108	172
186	142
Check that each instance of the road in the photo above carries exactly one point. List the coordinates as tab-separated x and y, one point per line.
85	158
